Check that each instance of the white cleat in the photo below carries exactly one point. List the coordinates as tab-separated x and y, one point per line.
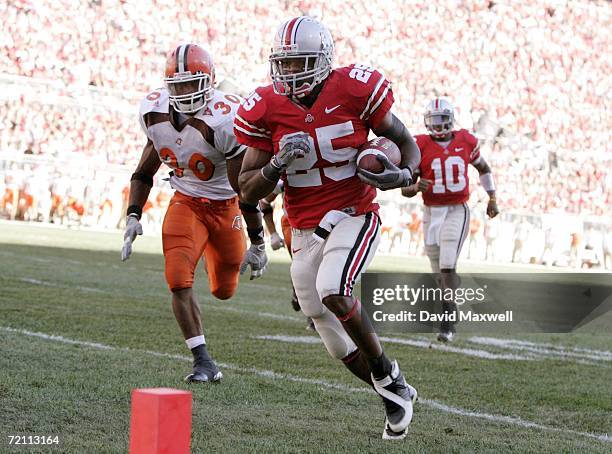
398	397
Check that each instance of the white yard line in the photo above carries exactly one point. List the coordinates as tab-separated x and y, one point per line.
290	339
215	306
255	313
482	354
543	349
274	288
509	420
53	284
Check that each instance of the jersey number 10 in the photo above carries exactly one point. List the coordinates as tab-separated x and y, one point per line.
444	179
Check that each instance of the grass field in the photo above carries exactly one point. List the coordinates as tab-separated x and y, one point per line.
79	330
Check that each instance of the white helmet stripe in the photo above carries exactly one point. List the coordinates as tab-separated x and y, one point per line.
283	35
182	57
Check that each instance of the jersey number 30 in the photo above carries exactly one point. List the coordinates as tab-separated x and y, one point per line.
201	166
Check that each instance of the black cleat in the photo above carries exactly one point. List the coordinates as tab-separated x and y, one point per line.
447	327
398	397
203	372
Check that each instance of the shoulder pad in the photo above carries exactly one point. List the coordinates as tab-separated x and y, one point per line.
361	80
468	137
155	101
253	108
220	110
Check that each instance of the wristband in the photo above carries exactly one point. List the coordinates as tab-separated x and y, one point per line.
255	234
134	210
247	207
271	172
486	180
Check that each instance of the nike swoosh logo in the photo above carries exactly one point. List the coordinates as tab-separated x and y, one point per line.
328	111
294	251
458	149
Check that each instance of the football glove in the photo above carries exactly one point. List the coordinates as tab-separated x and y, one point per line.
132	229
293	147
276	241
390	178
257	258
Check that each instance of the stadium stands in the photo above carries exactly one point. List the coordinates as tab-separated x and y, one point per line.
529	77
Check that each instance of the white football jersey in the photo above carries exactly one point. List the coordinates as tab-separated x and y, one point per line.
197	150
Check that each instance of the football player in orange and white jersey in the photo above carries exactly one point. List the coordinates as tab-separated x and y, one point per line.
306	128
444	184
189	127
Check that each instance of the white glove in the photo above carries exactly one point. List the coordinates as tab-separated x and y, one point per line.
133	227
257	258
276	241
295	146
390	178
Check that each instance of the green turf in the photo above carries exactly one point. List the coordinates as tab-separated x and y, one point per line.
72	284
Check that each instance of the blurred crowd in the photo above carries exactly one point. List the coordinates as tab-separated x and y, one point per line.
531	78
543	239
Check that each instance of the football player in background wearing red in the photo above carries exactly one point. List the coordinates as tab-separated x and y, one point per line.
306	128
443	182
189	127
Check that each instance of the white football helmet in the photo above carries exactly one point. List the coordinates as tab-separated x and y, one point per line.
304	41
439	117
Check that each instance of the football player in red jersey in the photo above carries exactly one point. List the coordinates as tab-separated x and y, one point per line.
445	187
306	128
189	127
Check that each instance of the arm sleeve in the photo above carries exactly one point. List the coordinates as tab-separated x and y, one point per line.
250	128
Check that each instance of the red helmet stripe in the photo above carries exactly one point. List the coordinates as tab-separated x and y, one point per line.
437	105
289	31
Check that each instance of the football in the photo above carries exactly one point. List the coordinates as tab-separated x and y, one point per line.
366	158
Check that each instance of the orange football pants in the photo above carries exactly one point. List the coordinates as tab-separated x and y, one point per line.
196	226
286	227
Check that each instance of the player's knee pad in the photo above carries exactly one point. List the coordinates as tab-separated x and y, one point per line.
338	273
303	278
179	269
336	340
349	249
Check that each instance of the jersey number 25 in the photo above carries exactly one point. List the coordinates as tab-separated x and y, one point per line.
303	173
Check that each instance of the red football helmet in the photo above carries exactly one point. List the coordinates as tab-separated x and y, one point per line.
190	78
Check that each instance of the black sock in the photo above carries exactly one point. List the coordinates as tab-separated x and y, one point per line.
380	367
200	353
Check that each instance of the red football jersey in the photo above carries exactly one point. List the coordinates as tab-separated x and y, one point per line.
352	100
447	167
